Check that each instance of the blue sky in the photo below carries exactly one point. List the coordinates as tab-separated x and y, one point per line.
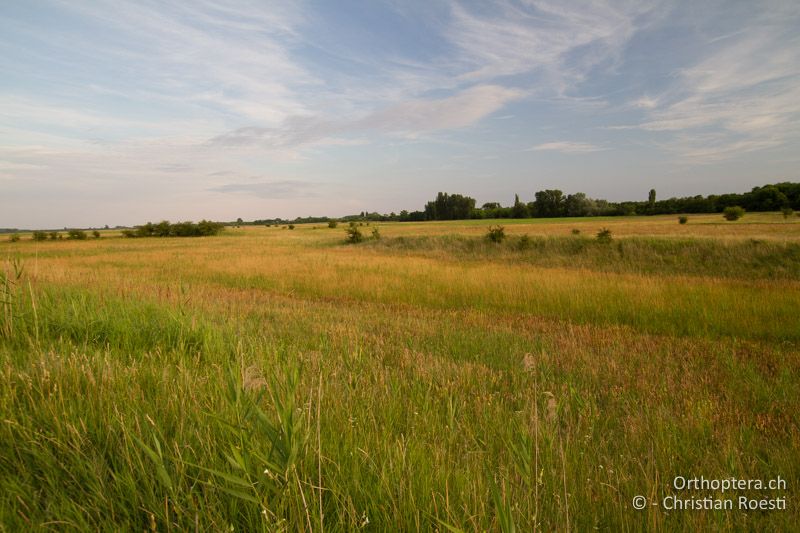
122	112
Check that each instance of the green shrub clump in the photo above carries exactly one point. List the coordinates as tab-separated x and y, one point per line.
354	235
332	224
204	228
787	212
733	212
76	235
496	234
683	219
39	236
604	235
14	237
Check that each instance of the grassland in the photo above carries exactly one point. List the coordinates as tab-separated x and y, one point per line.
269	379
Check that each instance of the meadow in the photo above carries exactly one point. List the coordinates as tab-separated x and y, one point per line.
269	379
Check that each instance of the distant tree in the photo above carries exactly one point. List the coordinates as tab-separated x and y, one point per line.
54	235
578	205
162	229
239	221
787	212
683	219
549	203
449	207
332	223
651	198
96	234
519	210
39	236
14	237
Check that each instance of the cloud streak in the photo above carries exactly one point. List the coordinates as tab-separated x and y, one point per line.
567	147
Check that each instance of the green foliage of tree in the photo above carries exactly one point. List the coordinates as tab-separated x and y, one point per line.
332	223
77	235
683	219
549	203
96	234
449	207
204	228
519	210
39	236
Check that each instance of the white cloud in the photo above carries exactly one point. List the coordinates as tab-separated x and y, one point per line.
742	96
563	42
567	147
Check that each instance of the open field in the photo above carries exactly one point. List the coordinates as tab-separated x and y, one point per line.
269	379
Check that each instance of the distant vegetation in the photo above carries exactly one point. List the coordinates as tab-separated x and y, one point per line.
164	228
551	203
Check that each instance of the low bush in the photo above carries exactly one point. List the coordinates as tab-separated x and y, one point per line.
787	212
76	235
604	235
496	234
96	234
733	212
683	219
354	235
39	236
576	231
14	237
332	224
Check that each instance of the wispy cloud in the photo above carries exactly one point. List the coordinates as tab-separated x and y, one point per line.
280	189
567	147
741	97
561	41
407	118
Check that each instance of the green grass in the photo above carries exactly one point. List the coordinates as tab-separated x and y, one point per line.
271	383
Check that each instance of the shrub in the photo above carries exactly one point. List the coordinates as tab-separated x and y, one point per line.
376	234
733	212
576	231
291	226
524	242
354	235
129	233
604	235
54	235
14	237
787	212
683	219
77	235
39	236
496	234
96	234
332	223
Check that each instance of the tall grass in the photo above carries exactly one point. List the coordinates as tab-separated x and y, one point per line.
278	385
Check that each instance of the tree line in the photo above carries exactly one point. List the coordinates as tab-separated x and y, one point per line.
551	203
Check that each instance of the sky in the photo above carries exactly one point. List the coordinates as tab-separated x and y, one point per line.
123	112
